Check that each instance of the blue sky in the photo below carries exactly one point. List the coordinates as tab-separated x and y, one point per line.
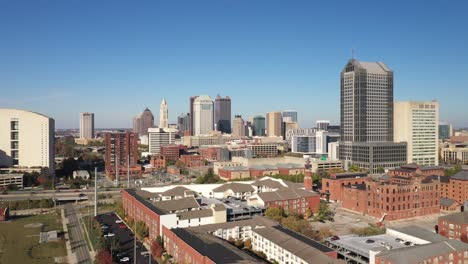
114	58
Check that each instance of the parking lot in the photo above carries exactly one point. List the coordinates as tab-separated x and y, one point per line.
126	240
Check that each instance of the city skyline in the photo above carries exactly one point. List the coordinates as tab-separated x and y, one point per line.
276	52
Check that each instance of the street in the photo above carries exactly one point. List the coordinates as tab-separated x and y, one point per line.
126	239
77	239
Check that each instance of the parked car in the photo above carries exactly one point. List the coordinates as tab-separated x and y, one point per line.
122	226
109	235
124	259
118	221
334	238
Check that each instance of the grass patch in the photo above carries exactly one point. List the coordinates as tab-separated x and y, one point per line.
21	245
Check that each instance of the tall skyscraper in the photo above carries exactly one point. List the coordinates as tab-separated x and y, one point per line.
147	121
238	129
183	122
367	117
163	115
259	125
87	125
417	124
159	137
223	114
191	116
26	139
136	125
121	153
203	115
289	115
323	125
274	124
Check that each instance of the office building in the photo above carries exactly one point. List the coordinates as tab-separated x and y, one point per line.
289	116
258	123
416	123
322	124
274	124
163	115
202	115
455	153
191	115
367	117
26	139
136	125
121	153
87	125
158	137
142	122
223	114
315	143
238	129
11	179
445	131
183	122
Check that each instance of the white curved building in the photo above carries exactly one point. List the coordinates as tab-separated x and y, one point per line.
203	118
26	139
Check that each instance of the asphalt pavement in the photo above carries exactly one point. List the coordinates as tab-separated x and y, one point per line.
126	240
77	239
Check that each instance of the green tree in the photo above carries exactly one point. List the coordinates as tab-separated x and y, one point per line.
323	212
354	168
275	213
142	230
371	230
380	169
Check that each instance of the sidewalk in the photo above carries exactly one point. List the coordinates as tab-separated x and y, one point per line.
71	258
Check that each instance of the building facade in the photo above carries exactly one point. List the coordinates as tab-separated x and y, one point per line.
445	131
238	129
87	125
158	137
222	114
258	123
142	122
274	124
26	139
367	117
417	124
163	115
289	116
323	125
121	154
183	122
203	115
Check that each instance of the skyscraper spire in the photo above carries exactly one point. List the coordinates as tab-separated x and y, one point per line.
163	115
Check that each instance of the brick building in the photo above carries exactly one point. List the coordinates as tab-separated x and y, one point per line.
410	170
215	153
173	170
157	162
290	169
454	226
233	173
121	153
394	198
290	199
333	187
192	160
173	152
455	187
263	170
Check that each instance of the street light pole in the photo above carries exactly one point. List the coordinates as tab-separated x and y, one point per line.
95	192
134	242
128	171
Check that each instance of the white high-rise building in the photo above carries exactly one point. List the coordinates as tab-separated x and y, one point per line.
87	125
158	137
163	115
203	115
323	125
26	139
417	123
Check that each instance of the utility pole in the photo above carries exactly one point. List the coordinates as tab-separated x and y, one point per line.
134	242
95	192
128	171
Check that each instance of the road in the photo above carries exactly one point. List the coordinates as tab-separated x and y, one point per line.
126	239
17	196
77	238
